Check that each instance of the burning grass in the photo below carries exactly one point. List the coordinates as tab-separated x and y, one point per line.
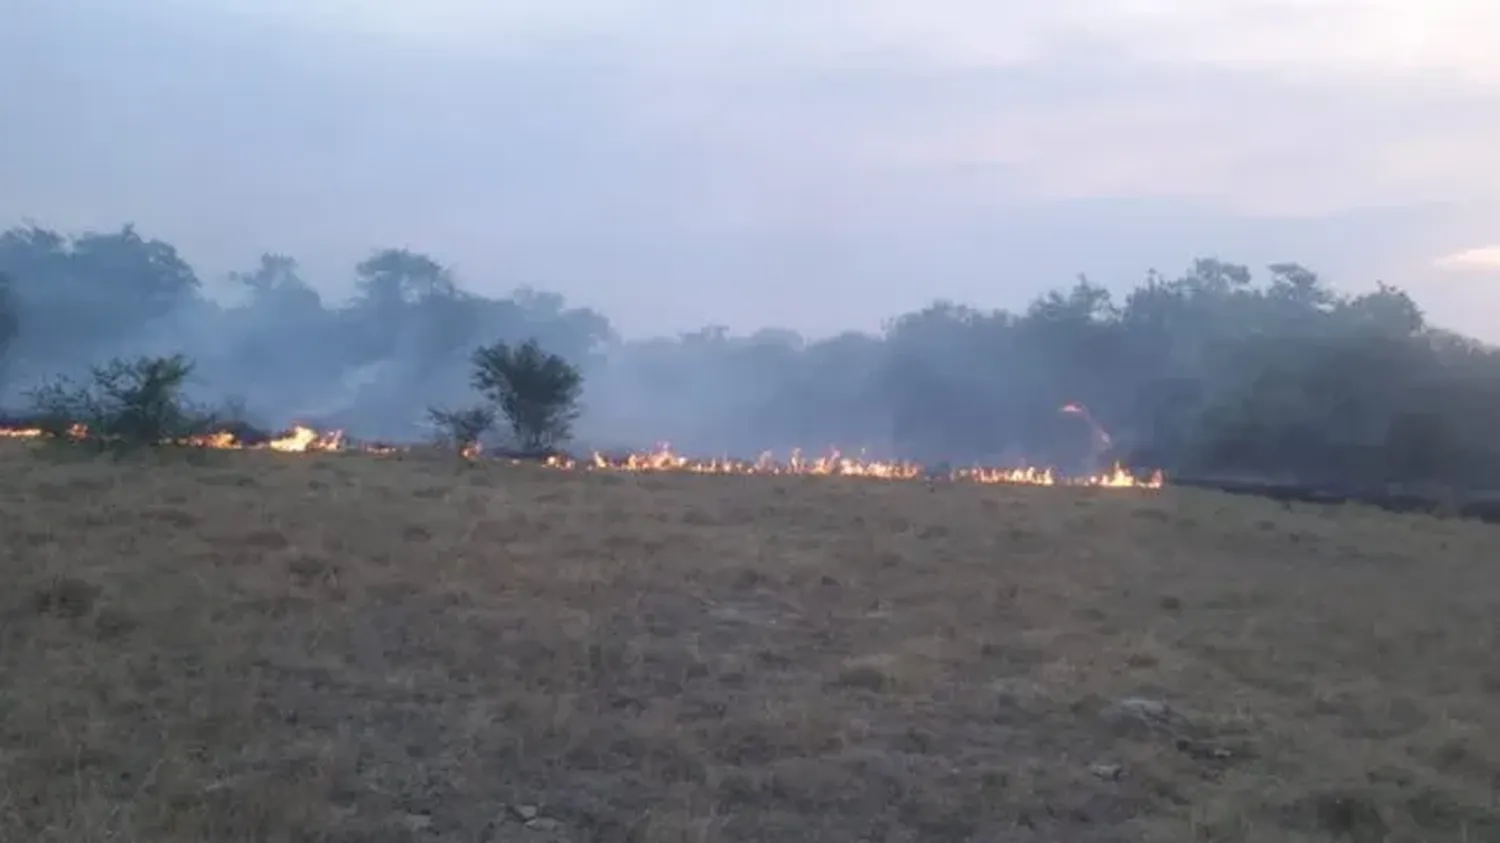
303	439
239	646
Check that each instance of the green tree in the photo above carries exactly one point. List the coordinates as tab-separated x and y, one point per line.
536	391
126	403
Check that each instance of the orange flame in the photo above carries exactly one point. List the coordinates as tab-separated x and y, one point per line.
302	439
75	431
21	433
662	459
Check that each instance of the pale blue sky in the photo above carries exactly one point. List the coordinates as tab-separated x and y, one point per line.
819	165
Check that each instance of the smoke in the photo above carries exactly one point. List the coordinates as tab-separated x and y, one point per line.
1211	365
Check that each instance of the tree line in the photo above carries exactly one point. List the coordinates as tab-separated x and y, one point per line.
1214	370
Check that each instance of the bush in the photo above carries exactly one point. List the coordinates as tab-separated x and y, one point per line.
537	392
462	429
128	403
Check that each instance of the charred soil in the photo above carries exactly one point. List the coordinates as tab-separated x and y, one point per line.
342	647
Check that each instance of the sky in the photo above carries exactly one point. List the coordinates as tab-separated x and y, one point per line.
814	165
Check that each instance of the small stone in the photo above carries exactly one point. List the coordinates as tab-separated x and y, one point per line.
525	813
1143	716
1108	772
543	824
1205	750
418	822
1142	707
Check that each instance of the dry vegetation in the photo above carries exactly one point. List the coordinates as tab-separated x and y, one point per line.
239	647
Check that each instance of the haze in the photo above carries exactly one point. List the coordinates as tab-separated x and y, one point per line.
815	166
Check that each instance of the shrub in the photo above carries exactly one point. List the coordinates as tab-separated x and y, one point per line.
462	429
536	391
129	403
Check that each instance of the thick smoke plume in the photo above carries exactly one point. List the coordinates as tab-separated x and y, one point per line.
1212	370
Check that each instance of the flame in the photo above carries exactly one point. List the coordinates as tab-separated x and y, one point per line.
302	438
221	440
1022	476
662	459
1116	476
75	431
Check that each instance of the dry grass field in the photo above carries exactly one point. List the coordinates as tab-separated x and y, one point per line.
261	647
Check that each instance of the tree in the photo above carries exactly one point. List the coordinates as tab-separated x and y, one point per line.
536	391
462	429
390	277
276	284
127	403
1216	368
87	296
